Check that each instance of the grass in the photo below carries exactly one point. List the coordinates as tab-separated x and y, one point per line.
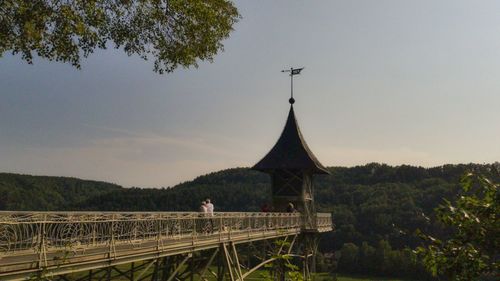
340	277
256	275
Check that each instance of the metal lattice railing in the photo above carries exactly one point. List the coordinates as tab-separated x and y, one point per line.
43	230
32	241
324	221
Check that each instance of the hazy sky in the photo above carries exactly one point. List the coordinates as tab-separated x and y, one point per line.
398	82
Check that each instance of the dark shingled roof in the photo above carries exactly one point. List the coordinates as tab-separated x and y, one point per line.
290	152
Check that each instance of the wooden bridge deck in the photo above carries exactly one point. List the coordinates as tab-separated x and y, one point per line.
62	243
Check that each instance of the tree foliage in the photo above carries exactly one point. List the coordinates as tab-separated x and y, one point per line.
473	249
174	32
44	193
376	208
282	267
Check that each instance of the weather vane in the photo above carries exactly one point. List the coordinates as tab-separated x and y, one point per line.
292	71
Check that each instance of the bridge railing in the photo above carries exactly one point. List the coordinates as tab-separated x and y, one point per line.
324	222
21	231
44	232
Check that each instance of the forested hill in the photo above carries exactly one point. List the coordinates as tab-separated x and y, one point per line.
241	189
376	207
44	193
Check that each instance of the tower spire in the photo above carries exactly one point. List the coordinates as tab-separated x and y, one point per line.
292	71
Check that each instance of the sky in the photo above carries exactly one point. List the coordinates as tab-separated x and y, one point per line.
396	82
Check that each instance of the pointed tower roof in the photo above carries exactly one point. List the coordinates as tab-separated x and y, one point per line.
290	151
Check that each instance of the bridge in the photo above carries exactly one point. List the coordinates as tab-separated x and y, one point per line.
177	246
38	245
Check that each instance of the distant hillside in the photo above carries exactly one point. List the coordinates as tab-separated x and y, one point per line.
238	189
376	207
43	193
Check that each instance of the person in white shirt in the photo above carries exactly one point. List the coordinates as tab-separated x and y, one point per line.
210	213
210	207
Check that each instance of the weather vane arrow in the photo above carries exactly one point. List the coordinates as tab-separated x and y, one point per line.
292	71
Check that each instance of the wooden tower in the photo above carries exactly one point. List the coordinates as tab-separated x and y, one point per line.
292	165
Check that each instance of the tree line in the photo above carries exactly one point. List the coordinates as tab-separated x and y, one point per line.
377	209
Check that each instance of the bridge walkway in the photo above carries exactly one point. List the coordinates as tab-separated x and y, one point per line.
55	243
